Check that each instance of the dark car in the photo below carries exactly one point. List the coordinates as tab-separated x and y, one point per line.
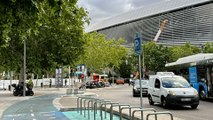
136	87
91	84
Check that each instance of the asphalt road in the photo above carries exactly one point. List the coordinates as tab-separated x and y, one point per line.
123	95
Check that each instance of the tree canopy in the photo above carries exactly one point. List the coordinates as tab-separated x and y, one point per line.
101	52
208	48
53	30
183	51
155	56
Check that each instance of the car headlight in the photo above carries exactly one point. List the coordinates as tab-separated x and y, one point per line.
195	92
171	92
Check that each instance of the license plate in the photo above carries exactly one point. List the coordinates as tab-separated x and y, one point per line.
186	99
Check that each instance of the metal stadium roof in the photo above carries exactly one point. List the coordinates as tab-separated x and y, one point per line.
150	10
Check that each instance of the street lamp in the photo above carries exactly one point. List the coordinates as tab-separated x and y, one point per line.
24	86
113	80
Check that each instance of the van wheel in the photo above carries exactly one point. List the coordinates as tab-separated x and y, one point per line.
194	106
164	102
202	94
150	100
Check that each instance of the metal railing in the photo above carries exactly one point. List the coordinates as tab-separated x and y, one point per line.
142	110
158	113
94	104
119	105
107	103
101	110
130	111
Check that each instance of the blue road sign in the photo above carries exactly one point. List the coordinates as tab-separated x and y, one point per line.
137	45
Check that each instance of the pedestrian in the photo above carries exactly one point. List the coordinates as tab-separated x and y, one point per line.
82	77
50	85
129	81
65	82
41	84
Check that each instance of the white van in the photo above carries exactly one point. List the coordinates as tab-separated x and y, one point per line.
169	89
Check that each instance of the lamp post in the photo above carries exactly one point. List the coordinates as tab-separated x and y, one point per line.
143	63
69	76
24	86
113	80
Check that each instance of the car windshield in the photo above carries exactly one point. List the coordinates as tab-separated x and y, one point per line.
175	82
143	82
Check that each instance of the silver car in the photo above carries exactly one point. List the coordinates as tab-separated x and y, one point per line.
136	87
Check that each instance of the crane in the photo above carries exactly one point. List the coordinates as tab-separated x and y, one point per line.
162	25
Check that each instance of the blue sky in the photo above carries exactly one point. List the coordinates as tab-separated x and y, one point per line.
103	9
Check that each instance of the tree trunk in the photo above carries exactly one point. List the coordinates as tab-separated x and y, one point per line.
21	76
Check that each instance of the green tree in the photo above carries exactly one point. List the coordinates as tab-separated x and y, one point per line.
156	56
53	30
101	52
125	69
183	51
208	48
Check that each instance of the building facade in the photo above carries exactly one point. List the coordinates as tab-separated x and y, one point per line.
187	21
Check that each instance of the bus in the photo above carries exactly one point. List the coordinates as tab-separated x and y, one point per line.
198	70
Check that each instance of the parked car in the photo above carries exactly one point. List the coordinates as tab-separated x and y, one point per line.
120	81
167	89
107	84
126	80
91	84
100	84
136	87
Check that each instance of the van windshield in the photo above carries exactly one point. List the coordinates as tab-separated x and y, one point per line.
175	82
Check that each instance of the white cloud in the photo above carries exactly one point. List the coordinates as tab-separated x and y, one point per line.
103	9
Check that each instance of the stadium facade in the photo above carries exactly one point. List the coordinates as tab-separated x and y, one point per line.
188	21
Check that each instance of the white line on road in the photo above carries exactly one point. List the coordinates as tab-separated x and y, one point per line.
32	115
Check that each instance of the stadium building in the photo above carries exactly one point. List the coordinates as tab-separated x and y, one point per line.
180	21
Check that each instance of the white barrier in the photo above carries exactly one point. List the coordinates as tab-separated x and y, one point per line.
37	82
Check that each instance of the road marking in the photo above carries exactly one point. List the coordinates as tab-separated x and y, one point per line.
31	109
32	115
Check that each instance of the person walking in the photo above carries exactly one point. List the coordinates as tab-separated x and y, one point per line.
65	82
50	85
